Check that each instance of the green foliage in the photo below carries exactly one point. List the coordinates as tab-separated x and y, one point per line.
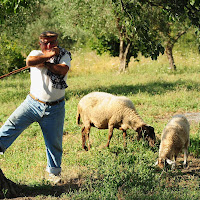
190	40
180	9
15	15
110	24
11	57
105	44
10	8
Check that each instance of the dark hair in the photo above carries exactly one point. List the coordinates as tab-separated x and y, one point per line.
48	34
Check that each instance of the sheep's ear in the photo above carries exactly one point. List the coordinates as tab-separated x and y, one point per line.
150	128
170	162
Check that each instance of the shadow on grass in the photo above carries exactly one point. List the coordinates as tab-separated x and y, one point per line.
151	88
46	189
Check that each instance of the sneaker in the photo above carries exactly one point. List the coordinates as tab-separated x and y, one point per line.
55	179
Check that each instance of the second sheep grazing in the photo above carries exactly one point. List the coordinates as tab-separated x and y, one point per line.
175	138
106	111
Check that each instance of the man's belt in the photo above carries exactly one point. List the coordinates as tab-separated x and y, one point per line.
47	103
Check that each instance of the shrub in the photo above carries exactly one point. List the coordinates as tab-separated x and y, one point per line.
11	57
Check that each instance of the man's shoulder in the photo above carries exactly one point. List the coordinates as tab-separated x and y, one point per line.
64	52
35	53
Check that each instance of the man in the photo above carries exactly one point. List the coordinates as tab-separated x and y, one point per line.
45	104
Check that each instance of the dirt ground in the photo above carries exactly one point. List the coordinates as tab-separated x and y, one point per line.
193	117
192	172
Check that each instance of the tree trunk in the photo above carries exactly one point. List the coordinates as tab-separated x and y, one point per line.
123	55
124	46
7	187
169	48
170	57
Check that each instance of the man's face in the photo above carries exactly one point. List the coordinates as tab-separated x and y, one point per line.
48	43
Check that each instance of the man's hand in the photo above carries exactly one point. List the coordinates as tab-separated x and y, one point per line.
52	52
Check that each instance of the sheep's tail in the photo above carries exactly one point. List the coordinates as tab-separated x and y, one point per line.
78	116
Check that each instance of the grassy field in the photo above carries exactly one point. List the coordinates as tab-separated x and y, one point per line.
114	173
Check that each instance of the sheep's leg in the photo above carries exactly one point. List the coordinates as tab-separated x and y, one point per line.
185	157
124	136
174	165
174	162
83	138
110	135
88	139
87	133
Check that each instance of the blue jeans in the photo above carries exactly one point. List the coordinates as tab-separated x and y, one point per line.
51	121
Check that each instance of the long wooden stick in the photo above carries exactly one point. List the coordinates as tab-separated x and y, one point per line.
14	72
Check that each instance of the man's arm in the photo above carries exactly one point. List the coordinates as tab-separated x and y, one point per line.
60	69
41	59
36	61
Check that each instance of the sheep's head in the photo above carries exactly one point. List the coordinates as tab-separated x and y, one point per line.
160	163
147	132
165	163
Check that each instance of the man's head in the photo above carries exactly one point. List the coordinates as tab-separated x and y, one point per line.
48	40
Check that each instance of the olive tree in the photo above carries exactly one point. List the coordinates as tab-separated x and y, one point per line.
174	19
111	27
126	28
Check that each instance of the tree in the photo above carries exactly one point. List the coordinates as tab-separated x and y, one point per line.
121	27
170	38
170	30
126	28
136	31
175	18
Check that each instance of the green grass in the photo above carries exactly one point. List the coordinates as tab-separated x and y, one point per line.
114	173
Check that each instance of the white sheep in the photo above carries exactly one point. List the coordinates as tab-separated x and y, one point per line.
106	111
175	138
